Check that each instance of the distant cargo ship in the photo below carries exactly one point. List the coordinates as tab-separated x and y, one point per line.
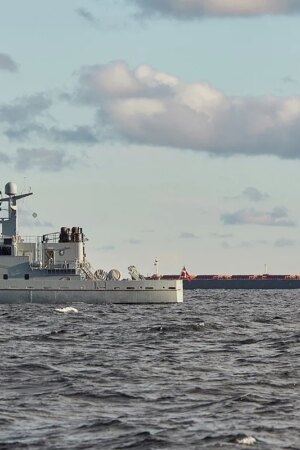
263	281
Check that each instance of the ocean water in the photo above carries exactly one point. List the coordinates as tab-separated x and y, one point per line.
220	371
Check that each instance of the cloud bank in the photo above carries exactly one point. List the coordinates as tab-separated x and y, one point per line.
192	9
146	106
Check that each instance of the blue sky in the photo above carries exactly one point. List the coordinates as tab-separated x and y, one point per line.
166	129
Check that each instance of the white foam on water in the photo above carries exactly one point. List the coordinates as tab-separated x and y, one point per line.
67	309
247	440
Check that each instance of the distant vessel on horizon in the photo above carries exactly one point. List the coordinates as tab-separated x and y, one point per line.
225	281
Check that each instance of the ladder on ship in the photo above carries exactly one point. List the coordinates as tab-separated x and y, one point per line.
87	269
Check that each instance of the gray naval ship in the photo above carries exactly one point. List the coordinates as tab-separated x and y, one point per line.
53	269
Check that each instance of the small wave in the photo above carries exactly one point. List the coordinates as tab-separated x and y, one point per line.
176	328
99	424
146	440
246	440
67	309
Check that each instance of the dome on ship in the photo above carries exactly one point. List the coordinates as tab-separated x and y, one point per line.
11	188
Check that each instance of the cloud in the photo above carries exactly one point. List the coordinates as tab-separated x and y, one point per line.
187	235
25	109
277	217
134	241
289	80
253	194
149	107
7	63
23	132
244	244
106	248
87	16
43	159
77	135
193	9
22	119
222	235
4	158
285	242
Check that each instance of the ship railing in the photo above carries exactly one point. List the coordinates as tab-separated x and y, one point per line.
22	239
62	266
61	237
53	238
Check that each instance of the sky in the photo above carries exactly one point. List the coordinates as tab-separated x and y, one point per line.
166	129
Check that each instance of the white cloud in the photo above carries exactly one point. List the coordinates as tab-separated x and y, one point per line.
137	106
155	108
191	9
151	78
111	80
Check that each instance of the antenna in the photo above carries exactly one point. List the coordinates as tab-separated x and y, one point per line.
10	224
156	265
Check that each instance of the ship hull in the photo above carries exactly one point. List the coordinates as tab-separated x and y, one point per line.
94	292
241	284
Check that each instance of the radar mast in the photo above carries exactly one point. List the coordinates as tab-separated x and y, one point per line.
10	223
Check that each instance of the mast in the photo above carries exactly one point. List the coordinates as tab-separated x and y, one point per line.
156	266
10	223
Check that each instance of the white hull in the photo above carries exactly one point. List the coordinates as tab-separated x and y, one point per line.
95	292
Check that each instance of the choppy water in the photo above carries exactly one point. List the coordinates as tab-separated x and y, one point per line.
222	367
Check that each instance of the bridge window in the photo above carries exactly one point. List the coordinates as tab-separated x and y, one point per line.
5	251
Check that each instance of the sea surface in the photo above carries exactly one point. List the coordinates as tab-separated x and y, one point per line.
220	371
